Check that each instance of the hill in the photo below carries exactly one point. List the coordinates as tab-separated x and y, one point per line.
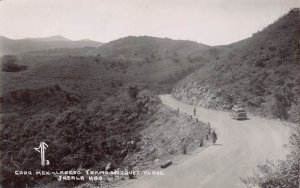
120	130
151	47
141	47
93	107
13	47
260	72
153	63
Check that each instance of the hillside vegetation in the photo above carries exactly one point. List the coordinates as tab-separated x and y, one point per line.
283	173
93	109
149	62
260	73
132	127
151	48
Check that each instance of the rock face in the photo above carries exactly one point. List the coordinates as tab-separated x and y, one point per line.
200	95
109	167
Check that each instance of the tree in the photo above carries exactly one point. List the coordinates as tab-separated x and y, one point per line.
133	92
8	64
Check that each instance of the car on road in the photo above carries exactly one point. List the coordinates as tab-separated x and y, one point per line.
238	113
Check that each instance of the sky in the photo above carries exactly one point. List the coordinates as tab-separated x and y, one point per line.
212	22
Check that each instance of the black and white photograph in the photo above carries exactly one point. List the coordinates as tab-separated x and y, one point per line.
149	94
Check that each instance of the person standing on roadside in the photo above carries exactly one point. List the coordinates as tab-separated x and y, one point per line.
214	137
194	111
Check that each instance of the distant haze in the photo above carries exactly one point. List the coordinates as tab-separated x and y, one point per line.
212	22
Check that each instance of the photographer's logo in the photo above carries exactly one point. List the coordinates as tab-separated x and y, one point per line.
41	149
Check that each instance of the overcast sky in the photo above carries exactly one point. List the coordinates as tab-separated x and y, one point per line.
212	22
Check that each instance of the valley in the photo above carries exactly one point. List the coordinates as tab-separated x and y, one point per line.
133	102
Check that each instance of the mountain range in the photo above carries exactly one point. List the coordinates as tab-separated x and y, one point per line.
260	72
17	46
96	104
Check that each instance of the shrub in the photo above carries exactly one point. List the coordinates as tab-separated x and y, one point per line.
9	117
283	99
280	173
8	64
26	98
184	148
133	92
260	64
12	67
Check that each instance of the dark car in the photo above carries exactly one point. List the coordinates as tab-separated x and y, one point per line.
238	113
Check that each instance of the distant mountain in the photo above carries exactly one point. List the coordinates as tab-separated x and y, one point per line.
261	72
51	38
132	47
12	47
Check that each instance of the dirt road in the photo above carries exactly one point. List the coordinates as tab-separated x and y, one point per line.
240	147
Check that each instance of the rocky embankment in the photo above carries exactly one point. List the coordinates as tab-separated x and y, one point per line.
202	95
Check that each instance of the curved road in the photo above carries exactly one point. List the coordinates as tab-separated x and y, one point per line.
240	147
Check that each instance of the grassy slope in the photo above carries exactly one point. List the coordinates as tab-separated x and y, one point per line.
261	72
